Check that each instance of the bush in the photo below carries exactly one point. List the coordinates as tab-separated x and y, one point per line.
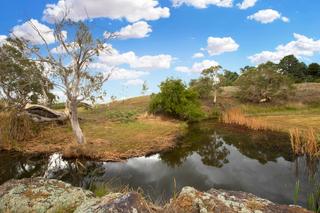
264	84
176	100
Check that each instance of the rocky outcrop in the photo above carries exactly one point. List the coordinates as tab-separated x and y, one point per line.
44	195
41	195
221	201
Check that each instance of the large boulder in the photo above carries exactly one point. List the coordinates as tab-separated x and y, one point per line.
41	195
131	202
221	201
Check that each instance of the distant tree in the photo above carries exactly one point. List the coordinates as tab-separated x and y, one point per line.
213	74
263	84
144	88
228	78
245	69
292	67
314	70
70	65
176	100
203	86
21	79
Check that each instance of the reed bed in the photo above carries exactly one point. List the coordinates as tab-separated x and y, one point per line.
302	141
305	142
236	116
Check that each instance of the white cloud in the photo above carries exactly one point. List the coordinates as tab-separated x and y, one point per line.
197	67
246	4
147	62
61	50
125	74
267	16
134	82
28	31
302	46
217	46
120	9
201	4
2	39
198	55
139	29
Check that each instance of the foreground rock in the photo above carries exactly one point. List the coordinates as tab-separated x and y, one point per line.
43	195
220	201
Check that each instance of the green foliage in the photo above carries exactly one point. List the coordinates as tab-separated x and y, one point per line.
203	86
21	79
124	116
176	100
263	84
292	67
228	78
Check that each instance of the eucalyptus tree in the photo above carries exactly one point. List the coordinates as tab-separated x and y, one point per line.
212	73
21	79
69	65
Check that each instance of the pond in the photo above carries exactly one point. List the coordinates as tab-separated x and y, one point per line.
210	155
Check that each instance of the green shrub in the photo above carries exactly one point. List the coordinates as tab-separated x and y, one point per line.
124	116
176	100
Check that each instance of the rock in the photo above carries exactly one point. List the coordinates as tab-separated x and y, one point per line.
221	201
45	195
41	195
131	202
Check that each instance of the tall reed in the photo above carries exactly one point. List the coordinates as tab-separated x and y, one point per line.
302	141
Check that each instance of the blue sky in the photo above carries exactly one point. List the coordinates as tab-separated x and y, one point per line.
172	31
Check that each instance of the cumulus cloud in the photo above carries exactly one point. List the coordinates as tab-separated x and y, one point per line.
267	16
197	67
246	4
217	46
134	82
130	10
118	73
147	62
201	4
28	31
139	29
302	46
2	39
198	55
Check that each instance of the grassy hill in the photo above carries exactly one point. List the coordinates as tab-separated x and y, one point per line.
115	131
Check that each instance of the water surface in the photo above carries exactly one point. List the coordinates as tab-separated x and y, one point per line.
210	155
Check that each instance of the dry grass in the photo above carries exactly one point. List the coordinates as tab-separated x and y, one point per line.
109	140
304	142
236	116
303	132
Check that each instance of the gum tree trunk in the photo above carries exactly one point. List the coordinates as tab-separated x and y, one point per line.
75	122
215	97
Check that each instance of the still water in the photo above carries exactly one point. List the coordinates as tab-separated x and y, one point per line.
210	155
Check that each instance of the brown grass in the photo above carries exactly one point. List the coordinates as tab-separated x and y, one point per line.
236	116
303	140
108	140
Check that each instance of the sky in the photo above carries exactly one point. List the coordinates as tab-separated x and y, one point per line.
157	39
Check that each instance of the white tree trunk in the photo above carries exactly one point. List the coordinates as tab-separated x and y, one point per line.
215	97
75	123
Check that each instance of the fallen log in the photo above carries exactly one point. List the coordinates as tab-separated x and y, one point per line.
39	113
